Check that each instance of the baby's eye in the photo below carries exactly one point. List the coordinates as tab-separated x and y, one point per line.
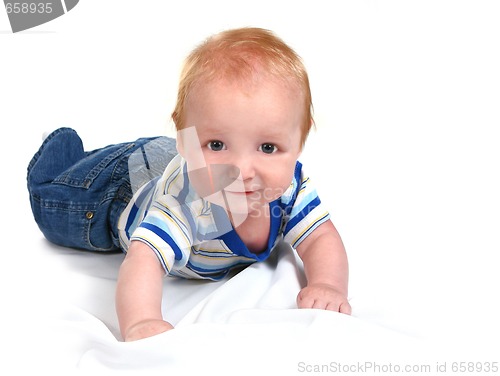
216	145
268	148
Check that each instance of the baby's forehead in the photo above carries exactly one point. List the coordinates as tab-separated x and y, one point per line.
247	85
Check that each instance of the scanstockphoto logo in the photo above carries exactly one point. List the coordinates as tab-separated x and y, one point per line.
25	15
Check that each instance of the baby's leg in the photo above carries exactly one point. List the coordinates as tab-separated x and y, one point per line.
71	190
77	196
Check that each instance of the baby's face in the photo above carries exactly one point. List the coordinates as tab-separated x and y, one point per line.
254	132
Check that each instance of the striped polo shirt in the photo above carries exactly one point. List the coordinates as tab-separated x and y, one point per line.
194	238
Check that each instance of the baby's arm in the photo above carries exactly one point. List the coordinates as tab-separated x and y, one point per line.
326	269
139	294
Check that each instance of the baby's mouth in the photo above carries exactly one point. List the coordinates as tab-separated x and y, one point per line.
247	193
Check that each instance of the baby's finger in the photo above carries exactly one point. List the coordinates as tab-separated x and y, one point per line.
333	306
345	308
303	301
320	304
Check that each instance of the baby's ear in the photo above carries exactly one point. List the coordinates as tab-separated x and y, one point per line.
178	138
175	117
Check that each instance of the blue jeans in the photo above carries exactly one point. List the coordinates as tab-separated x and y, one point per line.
78	196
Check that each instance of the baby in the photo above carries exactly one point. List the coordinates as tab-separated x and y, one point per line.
215	200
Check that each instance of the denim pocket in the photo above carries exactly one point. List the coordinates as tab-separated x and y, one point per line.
97	232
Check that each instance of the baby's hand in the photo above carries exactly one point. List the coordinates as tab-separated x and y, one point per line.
147	328
323	296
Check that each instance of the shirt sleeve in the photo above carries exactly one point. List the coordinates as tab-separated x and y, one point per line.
305	210
165	229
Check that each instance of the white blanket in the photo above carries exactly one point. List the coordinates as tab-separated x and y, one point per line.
246	324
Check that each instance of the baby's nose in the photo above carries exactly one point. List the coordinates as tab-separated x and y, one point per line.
246	168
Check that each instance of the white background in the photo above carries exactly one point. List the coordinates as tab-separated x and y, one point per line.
406	152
